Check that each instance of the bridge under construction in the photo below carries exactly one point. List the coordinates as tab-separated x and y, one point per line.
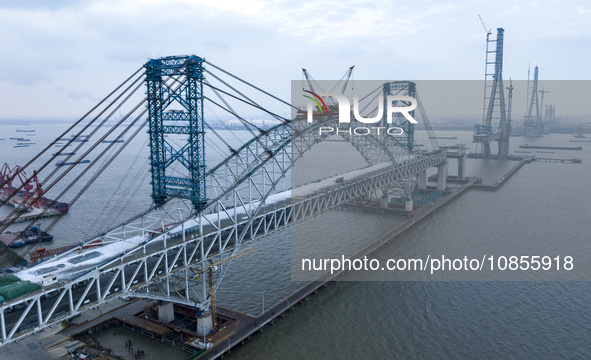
179	250
176	253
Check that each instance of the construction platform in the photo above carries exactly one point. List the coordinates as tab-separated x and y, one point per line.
503	179
130	316
31	216
572	160
544	147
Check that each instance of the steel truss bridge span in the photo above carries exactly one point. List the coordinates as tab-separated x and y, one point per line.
168	253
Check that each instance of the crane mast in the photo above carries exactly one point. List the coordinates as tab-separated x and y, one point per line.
347	77
211	279
307	76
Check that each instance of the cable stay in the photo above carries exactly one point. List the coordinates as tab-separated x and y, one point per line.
51	144
251	85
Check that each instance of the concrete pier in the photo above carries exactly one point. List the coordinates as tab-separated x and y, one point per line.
422	180
204	324
408	205
165	313
384	201
441	177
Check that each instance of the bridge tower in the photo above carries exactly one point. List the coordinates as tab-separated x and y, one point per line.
494	101
532	122
407	88
186	91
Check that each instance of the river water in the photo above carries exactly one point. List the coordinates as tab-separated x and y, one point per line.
540	211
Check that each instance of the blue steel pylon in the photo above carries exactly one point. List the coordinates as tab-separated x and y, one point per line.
186	90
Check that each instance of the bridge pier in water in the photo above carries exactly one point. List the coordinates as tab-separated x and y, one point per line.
384	201
422	180
458	152
441	177
461	166
409	205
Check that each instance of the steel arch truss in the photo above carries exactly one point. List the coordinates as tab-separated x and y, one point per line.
249	197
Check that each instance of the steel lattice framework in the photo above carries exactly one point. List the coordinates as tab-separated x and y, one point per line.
408	88
189	94
171	247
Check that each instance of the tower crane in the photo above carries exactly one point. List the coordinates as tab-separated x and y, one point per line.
542	103
509	104
488	31
211	281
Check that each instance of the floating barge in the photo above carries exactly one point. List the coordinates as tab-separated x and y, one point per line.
63	163
551	147
28	236
30	198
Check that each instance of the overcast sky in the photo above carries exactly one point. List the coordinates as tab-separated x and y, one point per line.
59	57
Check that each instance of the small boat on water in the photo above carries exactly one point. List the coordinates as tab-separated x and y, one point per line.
23	130
579	134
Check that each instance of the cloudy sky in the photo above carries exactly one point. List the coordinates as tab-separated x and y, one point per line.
59	57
